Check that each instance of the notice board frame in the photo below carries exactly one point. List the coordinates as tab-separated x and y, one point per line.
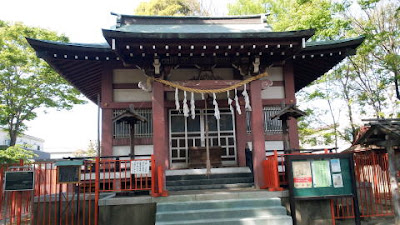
16	172
311	157
77	170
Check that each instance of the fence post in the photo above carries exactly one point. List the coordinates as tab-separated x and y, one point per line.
275	173
161	190
96	191
153	178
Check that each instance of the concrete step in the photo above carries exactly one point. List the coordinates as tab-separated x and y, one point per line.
207	181
203	176
209	186
220	213
270	220
239	211
218	204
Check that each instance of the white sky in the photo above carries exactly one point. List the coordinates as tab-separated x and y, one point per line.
81	21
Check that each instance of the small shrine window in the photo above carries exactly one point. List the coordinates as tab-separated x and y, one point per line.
271	126
142	130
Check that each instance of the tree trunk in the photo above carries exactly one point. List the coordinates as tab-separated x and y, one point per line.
13	137
393	182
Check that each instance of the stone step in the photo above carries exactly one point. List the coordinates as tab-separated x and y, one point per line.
203	176
270	220
207	181
217	204
243	212
210	186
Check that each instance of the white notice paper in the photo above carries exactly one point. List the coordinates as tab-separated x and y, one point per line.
140	167
337	180
335	165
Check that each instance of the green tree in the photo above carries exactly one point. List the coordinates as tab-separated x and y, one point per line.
171	8
15	153
27	83
286	15
89	152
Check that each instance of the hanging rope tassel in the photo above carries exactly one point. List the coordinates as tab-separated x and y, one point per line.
246	99
216	109
177	105
192	106
230	103
239	111
185	105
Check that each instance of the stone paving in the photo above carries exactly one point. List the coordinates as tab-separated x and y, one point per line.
369	221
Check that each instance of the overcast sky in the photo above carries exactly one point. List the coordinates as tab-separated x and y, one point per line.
81	21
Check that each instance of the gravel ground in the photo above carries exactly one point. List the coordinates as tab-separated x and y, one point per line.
369	221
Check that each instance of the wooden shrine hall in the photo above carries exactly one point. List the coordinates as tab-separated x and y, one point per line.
198	81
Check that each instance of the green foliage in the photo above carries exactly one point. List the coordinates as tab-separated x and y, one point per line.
27	83
15	153
286	15
361	86
170	8
89	152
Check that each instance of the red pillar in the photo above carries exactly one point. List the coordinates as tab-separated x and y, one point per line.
107	114
257	125
291	99
160	136
241	133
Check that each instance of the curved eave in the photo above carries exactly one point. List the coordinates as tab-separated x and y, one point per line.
82	66
319	57
256	16
116	34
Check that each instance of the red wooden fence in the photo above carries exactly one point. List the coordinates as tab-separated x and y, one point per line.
372	177
73	204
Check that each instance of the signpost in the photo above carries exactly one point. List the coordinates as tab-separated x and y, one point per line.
69	172
18	179
324	176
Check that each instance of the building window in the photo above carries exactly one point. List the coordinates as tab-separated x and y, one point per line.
142	130
271	126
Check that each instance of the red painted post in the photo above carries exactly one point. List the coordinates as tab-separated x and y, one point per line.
107	113
97	191
257	125
159	127
153	178
161	191
275	173
333	213
290	98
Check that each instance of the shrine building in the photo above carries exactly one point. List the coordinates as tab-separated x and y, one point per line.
193	78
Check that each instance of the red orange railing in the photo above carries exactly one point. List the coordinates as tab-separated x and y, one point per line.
73	204
373	188
372	177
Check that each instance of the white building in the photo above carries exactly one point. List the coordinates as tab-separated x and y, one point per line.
32	143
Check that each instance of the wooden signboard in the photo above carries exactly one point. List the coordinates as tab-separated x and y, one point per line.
19	181
69	172
323	176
